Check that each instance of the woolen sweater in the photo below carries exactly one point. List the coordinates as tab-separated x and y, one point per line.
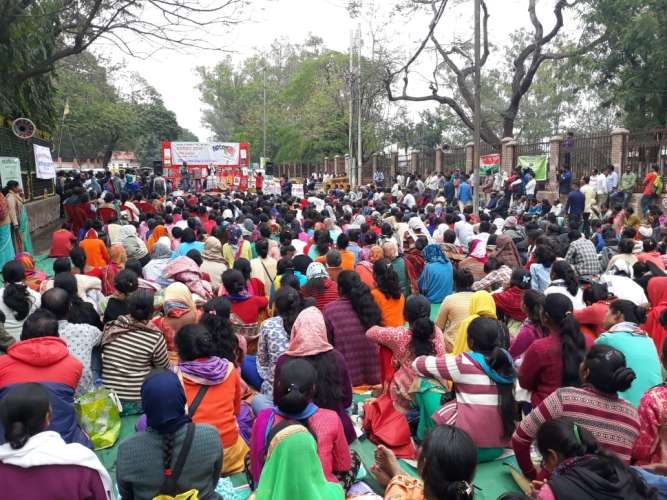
542	368
612	421
139	469
348	336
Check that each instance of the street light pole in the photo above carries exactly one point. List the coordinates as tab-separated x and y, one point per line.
264	124
477	111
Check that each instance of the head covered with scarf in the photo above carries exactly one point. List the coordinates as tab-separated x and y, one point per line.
433	253
309	334
163	401
234	234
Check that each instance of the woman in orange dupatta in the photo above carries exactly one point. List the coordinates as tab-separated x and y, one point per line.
32	277
178	310
157	233
657	296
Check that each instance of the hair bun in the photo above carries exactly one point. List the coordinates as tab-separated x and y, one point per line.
623	378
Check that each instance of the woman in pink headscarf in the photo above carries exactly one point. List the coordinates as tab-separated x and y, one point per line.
476	259
333	387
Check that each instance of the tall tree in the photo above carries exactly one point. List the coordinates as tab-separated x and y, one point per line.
307	95
632	67
101	119
36	35
452	77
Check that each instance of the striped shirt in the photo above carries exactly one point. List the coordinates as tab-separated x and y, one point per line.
129	357
613	421
475	409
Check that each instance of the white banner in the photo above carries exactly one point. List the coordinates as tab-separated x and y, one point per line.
297	190
203	153
44	167
10	170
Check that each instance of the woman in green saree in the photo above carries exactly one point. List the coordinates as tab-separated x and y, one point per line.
293	469
19	217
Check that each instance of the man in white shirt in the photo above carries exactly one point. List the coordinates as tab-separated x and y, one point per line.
420	184
531	185
409	200
432	182
599	181
400	180
464	231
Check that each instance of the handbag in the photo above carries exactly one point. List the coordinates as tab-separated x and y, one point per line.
385	425
99	415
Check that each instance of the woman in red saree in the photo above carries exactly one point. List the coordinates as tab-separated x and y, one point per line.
657	296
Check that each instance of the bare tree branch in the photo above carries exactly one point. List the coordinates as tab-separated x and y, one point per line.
156	23
524	66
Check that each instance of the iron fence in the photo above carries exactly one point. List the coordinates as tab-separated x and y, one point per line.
454	158
10	145
645	150
583	154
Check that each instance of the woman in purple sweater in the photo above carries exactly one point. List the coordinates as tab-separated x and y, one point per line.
36	463
531	328
333	387
347	320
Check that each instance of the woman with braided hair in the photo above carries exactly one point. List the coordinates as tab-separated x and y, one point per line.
146	459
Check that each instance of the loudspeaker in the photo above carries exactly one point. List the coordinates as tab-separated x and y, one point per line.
269	168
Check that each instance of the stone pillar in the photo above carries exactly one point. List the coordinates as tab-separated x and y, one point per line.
439	160
619	143
508	145
335	166
374	165
554	159
325	165
470	148
414	162
394	166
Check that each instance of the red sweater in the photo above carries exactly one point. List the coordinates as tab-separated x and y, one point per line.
248	310
593	316
509	302
326	296
542	367
42	359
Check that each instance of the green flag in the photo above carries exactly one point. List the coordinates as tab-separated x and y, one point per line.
537	164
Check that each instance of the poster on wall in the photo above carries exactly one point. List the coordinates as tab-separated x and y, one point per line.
44	166
489	163
537	164
10	170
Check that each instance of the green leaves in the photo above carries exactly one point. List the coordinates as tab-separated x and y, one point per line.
307	98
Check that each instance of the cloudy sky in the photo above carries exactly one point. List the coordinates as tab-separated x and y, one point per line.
172	73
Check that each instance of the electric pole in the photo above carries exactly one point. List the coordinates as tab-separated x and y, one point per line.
360	157
477	111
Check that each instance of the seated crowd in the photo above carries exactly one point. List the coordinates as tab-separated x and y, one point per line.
237	327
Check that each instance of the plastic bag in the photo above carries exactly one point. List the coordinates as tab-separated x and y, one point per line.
99	415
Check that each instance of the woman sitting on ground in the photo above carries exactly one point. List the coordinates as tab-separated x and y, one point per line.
565	282
436	280
649	448
591	317
613	421
319	285
274	337
292	468
579	468
447	463
510	299
622	332
17	301
488	369
36	463
333	388
532	328
131	348
347	320
295	390
147	459
126	282
217	385
422	338
553	361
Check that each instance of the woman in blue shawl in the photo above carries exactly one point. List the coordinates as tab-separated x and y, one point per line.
436	280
